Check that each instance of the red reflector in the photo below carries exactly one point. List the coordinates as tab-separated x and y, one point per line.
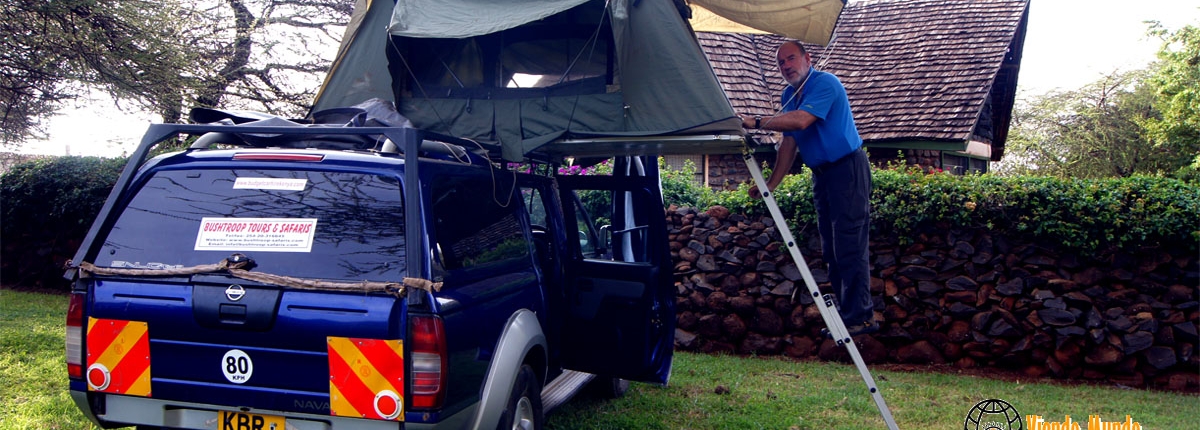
98	377
429	362
387	405
278	157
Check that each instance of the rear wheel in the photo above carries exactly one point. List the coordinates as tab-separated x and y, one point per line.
524	411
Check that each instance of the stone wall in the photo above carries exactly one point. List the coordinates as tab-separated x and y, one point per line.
960	298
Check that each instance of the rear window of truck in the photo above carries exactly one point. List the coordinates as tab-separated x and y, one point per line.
307	224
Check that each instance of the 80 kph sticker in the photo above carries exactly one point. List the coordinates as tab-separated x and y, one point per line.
236	366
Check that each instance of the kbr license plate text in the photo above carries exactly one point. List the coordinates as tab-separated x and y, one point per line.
247	421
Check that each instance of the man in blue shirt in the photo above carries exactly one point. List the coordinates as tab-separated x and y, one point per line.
816	121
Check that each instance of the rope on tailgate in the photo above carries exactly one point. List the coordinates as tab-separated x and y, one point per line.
237	269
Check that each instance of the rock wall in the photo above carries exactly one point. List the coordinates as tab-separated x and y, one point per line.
961	298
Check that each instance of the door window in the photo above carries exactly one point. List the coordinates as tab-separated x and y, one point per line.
612	224
473	228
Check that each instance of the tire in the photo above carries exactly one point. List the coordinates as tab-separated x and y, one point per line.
609	388
524	409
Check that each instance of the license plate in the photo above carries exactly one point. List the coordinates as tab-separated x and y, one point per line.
247	421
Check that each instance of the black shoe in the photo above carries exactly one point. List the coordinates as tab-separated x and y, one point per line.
866	327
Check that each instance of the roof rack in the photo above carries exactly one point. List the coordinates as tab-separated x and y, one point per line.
371	139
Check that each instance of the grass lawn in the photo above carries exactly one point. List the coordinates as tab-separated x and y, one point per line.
706	392
773	393
33	365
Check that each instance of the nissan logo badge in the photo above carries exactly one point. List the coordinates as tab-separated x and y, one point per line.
235	292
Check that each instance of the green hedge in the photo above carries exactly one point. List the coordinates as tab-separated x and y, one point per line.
1080	215
47	207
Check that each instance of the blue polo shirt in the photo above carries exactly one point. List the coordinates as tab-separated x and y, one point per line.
834	134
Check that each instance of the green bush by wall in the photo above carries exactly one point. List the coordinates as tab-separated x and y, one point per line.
46	207
1080	215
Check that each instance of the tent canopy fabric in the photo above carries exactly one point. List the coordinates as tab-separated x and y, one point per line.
809	21
547	77
457	19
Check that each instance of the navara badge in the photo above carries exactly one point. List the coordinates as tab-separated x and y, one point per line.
235	292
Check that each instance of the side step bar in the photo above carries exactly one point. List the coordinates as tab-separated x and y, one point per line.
563	388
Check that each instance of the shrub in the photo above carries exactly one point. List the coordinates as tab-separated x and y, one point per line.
680	188
1082	215
48	206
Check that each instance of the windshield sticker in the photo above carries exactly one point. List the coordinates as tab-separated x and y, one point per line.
256	234
285	184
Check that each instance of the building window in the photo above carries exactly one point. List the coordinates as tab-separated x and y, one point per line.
978	165
960	164
677	162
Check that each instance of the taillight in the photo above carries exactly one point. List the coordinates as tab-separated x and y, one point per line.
75	336
428	372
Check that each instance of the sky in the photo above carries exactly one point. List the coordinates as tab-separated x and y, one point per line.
1069	43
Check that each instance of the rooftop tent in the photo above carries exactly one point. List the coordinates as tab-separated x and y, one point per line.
555	77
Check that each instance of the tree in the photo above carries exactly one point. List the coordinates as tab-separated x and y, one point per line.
1176	80
1091	132
52	49
1140	122
266	54
163	56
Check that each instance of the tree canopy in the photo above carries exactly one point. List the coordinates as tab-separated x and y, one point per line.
163	56
52	49
1126	123
1176	81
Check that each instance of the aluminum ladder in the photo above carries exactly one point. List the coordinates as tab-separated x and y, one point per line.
836	328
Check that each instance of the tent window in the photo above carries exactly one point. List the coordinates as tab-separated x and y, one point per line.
567	48
546	63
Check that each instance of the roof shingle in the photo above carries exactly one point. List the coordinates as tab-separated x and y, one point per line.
913	69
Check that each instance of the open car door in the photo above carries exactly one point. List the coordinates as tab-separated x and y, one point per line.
619	292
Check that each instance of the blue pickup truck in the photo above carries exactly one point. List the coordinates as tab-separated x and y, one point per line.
288	277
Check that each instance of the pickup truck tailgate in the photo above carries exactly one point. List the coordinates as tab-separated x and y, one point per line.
272	348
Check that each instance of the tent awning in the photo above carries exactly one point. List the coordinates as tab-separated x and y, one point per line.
809	21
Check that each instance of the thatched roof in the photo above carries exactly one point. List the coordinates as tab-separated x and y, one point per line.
915	70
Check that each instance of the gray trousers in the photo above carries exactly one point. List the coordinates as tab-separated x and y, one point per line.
842	195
